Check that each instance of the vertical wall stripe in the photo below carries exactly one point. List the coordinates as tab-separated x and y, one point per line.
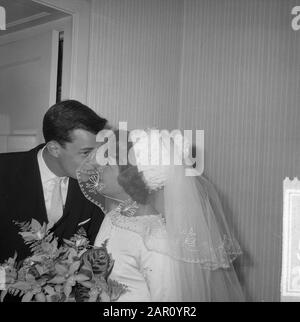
135	61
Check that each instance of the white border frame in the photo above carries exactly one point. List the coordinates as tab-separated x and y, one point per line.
290	187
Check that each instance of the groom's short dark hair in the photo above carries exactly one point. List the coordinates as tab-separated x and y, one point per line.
64	117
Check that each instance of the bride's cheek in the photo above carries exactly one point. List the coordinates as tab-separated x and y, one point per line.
106	178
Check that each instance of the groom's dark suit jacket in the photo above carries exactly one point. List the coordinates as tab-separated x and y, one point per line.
22	198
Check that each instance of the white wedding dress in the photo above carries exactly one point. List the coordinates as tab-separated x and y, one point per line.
146	273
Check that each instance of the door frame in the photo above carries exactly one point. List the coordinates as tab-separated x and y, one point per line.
63	24
80	13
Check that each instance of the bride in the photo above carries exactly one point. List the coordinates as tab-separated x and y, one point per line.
166	231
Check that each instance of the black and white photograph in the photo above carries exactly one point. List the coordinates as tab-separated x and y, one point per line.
149	153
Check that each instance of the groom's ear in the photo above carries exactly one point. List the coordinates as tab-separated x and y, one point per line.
54	148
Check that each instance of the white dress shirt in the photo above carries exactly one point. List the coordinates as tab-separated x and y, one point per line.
48	181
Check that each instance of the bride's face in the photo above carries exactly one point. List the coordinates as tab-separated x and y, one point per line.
109	180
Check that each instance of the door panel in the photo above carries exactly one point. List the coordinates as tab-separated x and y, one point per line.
28	75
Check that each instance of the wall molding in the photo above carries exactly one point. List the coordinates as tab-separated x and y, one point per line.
27	19
20	62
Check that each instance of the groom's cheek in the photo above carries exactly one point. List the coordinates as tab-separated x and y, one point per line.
75	165
70	165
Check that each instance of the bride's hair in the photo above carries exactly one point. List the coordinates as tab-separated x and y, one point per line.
130	179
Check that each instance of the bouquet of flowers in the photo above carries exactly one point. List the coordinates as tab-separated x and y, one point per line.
72	272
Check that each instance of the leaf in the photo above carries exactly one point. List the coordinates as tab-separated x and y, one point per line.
69	243
57	288
74	267
57	280
55	298
2	296
55	244
27	235
67	290
61	269
33	271
110	268
12	260
71	281
40	297
62	298
105	297
27	297
116	289
87	284
44	228
35	225
41	269
81	231
21	285
72	254
49	298
37	258
81	293
24	226
10	275
49	290
81	252
93	294
82	278
30	278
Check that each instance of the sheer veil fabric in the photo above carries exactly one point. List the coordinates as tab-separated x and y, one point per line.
191	232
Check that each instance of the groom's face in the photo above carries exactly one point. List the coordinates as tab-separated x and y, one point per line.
73	153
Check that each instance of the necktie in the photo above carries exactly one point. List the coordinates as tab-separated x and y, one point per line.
57	204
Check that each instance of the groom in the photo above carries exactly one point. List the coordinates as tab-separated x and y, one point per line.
41	183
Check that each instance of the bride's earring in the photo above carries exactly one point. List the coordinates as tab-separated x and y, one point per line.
128	208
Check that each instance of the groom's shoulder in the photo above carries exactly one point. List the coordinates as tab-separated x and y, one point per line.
9	163
12	158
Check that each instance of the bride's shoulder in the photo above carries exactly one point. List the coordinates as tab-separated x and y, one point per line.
148	231
148	225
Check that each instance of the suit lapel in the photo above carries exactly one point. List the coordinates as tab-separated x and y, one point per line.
74	209
71	195
28	178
